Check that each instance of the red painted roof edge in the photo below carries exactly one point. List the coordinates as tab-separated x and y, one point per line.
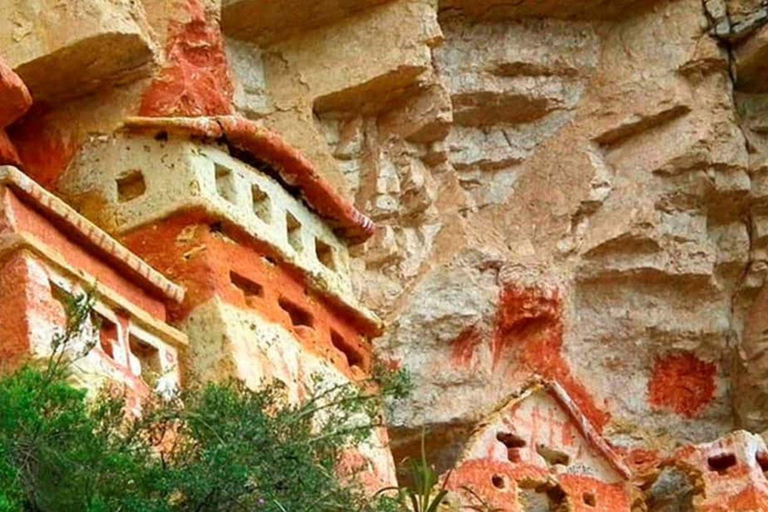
52	206
586	428
246	136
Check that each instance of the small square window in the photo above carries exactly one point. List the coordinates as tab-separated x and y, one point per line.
261	204
325	254
225	183
130	186
293	228
148	357
299	316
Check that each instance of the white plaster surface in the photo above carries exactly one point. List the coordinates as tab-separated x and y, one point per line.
180	176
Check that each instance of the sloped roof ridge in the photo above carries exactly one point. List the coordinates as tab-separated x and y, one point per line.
558	393
52	206
263	144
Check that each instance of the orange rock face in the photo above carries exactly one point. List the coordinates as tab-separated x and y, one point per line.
15	96
44	150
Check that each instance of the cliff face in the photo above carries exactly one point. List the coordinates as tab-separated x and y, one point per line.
576	191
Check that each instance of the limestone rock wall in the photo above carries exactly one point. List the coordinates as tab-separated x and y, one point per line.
575	190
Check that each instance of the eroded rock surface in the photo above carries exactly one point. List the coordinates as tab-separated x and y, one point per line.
568	191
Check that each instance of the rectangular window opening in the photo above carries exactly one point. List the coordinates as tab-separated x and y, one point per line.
293	228
513	443
62	296
299	316
722	462
325	254
510	440
148	357
107	334
251	289
130	186
225	183
261	204
354	358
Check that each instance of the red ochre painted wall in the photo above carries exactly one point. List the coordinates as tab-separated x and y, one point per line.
587	494
682	383
499	485
16	305
729	473
30	315
20	217
190	253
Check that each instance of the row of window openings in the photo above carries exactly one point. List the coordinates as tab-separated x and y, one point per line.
262	208
299	316
131	185
542	497
147	355
513	443
719	463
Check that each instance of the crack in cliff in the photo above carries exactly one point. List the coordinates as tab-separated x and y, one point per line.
728	39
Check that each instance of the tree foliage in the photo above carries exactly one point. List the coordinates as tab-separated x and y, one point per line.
218	447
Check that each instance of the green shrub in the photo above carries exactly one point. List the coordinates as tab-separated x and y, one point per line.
219	447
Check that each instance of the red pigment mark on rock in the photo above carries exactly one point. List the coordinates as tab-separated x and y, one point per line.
529	330
463	347
682	383
196	80
15	100
43	149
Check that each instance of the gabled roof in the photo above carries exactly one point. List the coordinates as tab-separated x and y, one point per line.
595	441
264	145
76	225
